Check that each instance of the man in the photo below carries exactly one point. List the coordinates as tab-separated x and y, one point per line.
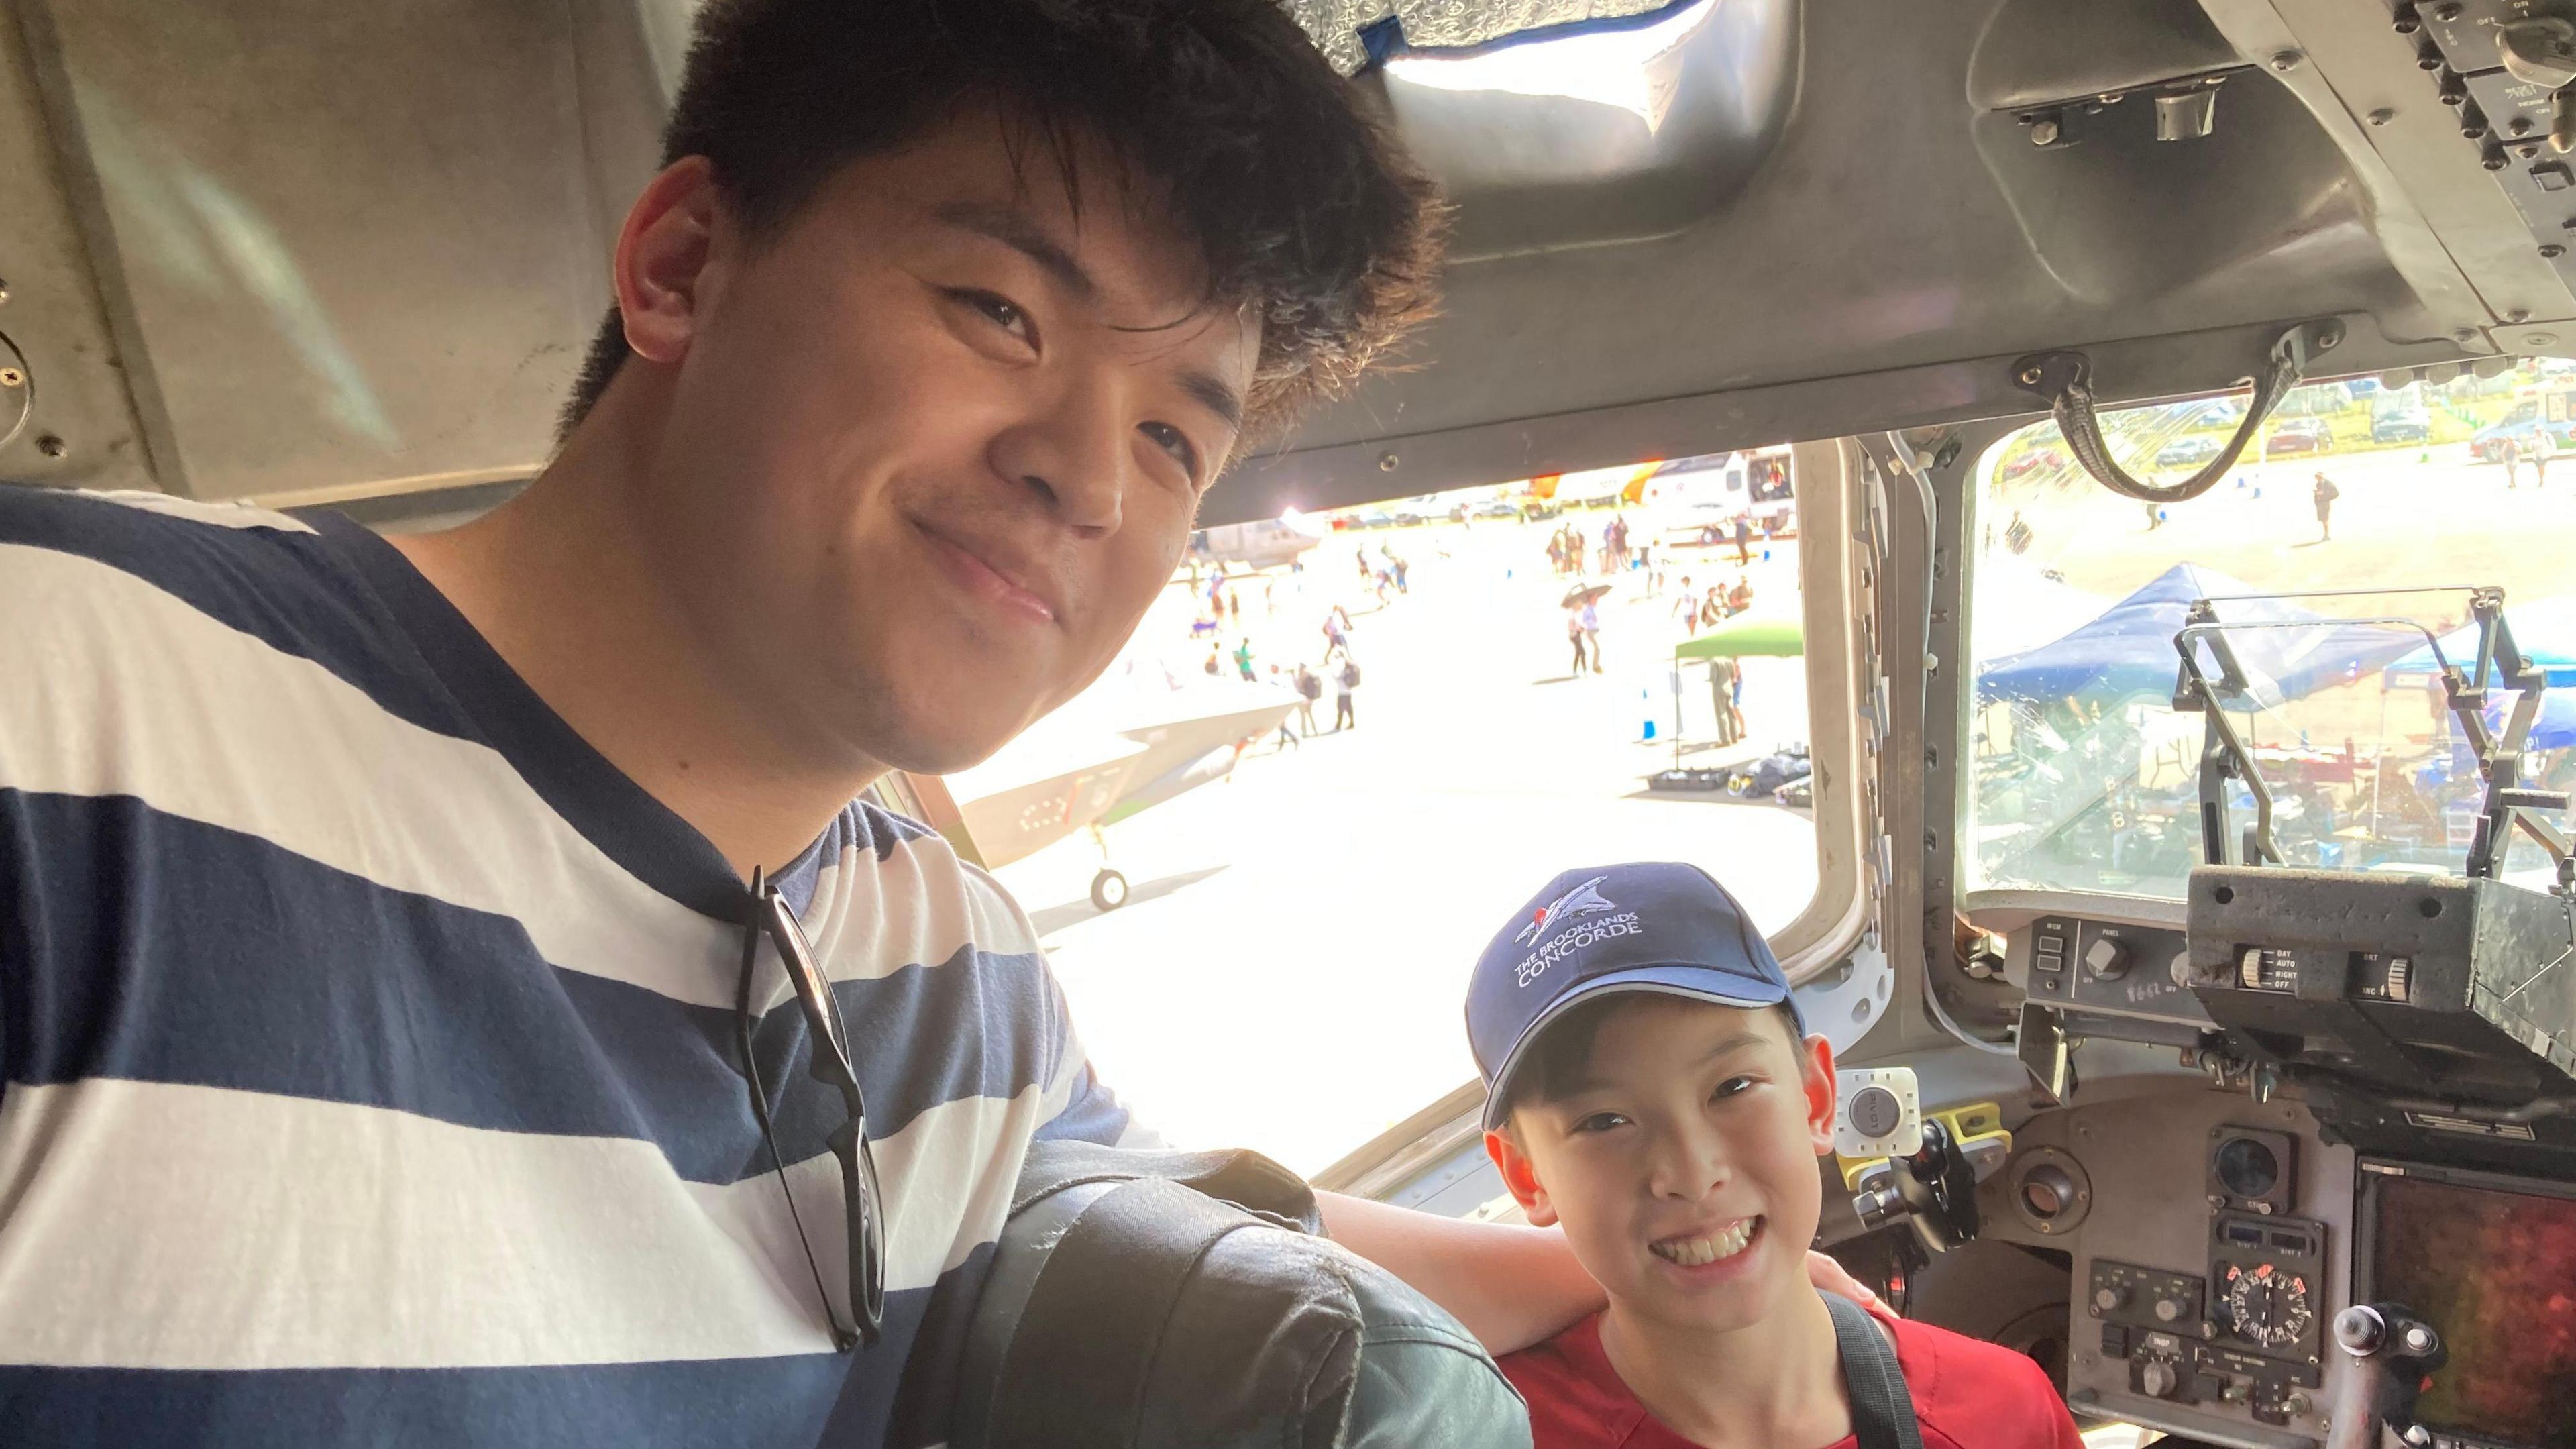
1346	682
1310	687
2325	494
375	913
395	1052
1588	618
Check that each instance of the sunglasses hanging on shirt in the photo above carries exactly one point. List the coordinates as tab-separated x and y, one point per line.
830	1065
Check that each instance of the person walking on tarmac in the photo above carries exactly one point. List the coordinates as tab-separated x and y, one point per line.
1346	682
2326	493
1743	540
1310	687
1588	619
2511	454
1574	632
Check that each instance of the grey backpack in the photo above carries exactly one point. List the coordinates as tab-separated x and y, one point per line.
1156	1300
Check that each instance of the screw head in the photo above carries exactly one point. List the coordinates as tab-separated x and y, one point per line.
2287	60
2382	116
1386	462
2518	315
2447	11
2464	335
2030	376
52	446
2043	133
12	377
2552	249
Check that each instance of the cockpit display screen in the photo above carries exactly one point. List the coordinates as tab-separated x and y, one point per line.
2493	1267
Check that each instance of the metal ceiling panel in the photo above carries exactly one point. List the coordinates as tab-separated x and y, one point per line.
344	250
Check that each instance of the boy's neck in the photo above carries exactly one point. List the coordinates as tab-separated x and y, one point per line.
1773	1384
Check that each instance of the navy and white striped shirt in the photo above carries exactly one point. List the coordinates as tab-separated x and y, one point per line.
367	1065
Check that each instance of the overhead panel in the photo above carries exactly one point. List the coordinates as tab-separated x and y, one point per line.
339	250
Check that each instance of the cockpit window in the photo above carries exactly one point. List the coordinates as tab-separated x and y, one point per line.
1302	908
2086	776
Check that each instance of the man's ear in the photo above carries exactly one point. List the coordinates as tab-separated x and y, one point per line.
1816	1061
662	256
1520	1179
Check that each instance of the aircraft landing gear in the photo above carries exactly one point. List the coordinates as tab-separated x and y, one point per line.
1108	890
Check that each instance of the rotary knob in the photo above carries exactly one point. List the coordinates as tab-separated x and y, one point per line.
2167	1310
2107	958
2158	1378
2109	1299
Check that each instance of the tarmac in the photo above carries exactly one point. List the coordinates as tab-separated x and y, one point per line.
1289	971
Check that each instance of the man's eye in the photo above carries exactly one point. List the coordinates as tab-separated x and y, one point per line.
1001	311
1175	442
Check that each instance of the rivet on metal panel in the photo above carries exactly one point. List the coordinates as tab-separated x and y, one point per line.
2552	250
2382	116
2518	315
2446	12
2519	125
1386	462
2287	60
2464	335
52	446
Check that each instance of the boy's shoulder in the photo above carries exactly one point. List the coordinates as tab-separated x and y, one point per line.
1968	1394
1972	1394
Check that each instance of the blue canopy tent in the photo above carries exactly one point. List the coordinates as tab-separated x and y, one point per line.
2129	649
2545	631
2554	728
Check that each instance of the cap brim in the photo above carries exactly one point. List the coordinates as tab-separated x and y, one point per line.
1691	982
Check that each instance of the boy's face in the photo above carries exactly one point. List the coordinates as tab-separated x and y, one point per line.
1682	1162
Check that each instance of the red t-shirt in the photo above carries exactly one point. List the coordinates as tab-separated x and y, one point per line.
1967	1395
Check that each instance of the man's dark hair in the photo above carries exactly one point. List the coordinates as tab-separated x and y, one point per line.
1556	1061
1299	202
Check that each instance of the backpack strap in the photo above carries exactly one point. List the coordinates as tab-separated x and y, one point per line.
1882	1408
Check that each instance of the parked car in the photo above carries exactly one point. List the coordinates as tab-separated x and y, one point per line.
2299	435
1375	518
2402	425
2022	465
2187	452
1407	519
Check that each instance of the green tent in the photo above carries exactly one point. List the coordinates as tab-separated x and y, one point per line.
1776	636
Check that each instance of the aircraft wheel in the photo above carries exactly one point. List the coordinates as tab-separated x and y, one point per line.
1109	890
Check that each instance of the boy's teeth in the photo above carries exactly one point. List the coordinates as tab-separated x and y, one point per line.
1693	1252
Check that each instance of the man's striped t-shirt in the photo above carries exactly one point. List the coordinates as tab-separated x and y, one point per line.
367	1041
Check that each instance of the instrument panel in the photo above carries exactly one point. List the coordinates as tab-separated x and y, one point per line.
2329	1021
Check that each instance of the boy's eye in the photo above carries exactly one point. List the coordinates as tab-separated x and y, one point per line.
1599	1122
1732	1086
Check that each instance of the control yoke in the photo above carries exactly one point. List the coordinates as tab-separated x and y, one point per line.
2393	1352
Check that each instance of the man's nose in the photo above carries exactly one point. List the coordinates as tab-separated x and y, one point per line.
1072	449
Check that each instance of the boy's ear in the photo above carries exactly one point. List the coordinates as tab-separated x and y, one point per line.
1816	1062
1520	1179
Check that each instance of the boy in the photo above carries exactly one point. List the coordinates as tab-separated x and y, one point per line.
1651	1089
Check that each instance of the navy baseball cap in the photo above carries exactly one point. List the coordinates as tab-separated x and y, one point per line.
1650	927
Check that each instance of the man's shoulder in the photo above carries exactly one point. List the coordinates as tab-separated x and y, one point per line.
1968	1392
74	544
